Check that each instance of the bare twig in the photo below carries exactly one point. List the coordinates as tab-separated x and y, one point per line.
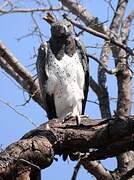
29	163
29	10
5	3
9	77
95	87
103	36
109	71
94	102
110	5
76	170
37	28
18	112
84	15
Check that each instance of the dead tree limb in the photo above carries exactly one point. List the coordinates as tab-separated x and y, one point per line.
16	70
55	137
84	15
124	84
30	10
101	35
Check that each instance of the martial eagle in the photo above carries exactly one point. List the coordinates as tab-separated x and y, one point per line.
62	69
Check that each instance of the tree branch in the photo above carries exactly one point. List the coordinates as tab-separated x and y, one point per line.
18	112
120	60
101	35
118	16
76	169
84	15
97	169
94	167
124	81
102	79
128	175
35	150
103	66
30	10
95	87
109	137
15	69
125	29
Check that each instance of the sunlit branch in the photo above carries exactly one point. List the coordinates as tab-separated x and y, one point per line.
18	112
102	36
30	10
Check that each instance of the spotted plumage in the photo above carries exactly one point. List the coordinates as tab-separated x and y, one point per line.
62	68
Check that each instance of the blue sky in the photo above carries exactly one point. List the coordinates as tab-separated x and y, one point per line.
14	126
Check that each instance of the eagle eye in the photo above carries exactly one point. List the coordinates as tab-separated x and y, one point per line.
69	25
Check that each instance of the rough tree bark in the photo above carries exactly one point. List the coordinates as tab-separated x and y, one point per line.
38	147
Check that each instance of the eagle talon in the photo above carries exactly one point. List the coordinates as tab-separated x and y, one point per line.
78	120
68	116
84	116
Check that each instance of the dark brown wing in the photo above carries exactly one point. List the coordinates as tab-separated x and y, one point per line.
42	73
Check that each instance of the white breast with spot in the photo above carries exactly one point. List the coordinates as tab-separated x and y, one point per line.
66	82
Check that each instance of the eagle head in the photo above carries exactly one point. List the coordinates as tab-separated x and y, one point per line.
61	28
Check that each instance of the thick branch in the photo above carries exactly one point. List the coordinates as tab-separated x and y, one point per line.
96	168
118	16
38	145
36	150
15	69
125	29
95	87
124	103
102	81
121	67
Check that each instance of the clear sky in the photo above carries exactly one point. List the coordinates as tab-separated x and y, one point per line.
14	126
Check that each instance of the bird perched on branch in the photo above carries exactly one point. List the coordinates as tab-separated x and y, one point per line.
62	69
